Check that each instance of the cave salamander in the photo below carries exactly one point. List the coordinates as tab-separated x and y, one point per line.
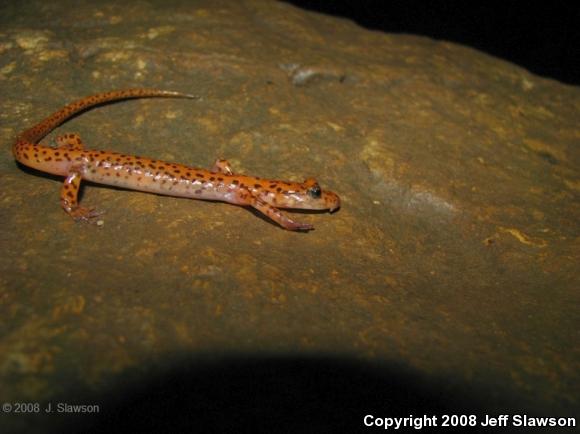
72	160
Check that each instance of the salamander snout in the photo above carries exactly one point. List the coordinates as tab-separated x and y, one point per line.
332	200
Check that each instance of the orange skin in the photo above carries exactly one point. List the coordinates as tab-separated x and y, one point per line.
72	160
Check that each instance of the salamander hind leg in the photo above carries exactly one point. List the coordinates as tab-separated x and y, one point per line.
222	166
69	199
70	141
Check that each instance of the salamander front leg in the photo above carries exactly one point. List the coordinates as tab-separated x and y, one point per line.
69	198
222	166
280	217
245	197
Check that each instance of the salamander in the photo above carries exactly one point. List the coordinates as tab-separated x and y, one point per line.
70	158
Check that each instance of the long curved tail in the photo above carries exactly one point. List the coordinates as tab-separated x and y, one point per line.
37	132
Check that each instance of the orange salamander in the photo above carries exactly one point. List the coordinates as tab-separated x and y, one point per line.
72	160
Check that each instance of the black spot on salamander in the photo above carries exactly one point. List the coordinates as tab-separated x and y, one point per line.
257	186
200	175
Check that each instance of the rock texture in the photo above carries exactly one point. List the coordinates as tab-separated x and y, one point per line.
452	265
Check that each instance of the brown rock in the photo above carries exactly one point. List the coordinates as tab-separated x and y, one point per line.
454	257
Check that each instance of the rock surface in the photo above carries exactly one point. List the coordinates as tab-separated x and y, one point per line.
453	263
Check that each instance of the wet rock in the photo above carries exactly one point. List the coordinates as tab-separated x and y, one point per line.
454	256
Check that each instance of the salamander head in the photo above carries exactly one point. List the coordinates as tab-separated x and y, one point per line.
307	195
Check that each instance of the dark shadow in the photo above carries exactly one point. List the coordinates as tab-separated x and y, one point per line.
278	394
542	37
40	173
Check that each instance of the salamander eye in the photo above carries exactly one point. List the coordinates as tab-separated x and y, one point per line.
315	191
